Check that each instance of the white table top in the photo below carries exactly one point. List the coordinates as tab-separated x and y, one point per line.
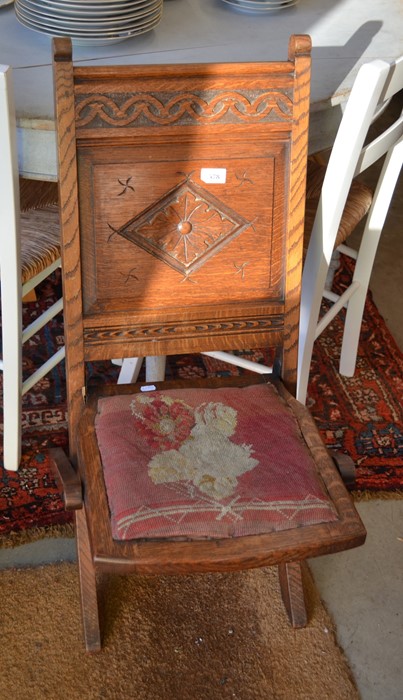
345	34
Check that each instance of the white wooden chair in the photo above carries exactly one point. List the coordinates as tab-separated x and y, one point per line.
337	206
29	252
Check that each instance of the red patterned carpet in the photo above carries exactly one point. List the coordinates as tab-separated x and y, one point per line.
361	416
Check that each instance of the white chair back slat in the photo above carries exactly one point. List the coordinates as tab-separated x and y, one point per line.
9	181
379	146
10	270
394	81
11	282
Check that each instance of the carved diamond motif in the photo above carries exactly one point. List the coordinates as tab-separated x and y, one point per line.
185	227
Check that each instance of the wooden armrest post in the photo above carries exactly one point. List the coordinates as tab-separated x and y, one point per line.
67	479
345	466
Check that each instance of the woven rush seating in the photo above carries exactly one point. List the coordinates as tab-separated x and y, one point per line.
40	241
357	205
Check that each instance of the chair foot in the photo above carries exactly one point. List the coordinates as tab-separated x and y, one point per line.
346	468
88	587
290	577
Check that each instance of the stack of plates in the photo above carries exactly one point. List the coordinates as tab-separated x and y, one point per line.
257	6
90	22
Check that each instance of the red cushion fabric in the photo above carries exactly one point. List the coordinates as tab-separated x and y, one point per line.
206	463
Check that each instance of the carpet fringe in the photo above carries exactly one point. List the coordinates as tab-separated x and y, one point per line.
376	495
17	539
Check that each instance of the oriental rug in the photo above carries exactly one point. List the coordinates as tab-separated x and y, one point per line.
361	416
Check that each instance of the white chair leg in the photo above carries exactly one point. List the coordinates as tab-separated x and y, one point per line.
12	372
12	425
306	341
10	255
129	372
155	368
313	283
365	260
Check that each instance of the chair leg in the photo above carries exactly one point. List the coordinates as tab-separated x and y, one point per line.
352	330
12	369
131	367
366	257
313	284
345	467
292	591
12	417
155	368
355	308
88	586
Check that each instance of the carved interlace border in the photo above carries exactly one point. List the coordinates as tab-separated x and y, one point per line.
120	110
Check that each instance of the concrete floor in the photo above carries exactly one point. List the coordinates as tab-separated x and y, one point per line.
362	588
363	591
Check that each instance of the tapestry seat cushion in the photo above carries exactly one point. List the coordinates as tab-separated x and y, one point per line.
197	463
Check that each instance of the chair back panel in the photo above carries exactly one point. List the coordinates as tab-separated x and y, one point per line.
190	185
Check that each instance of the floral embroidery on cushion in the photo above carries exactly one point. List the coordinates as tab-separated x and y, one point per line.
164	422
206	463
195	444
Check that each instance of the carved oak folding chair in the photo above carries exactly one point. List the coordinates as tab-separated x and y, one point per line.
182	213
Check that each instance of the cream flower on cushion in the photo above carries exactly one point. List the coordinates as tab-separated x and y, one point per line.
217	417
207	458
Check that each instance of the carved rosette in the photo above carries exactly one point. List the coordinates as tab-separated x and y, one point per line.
185	227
